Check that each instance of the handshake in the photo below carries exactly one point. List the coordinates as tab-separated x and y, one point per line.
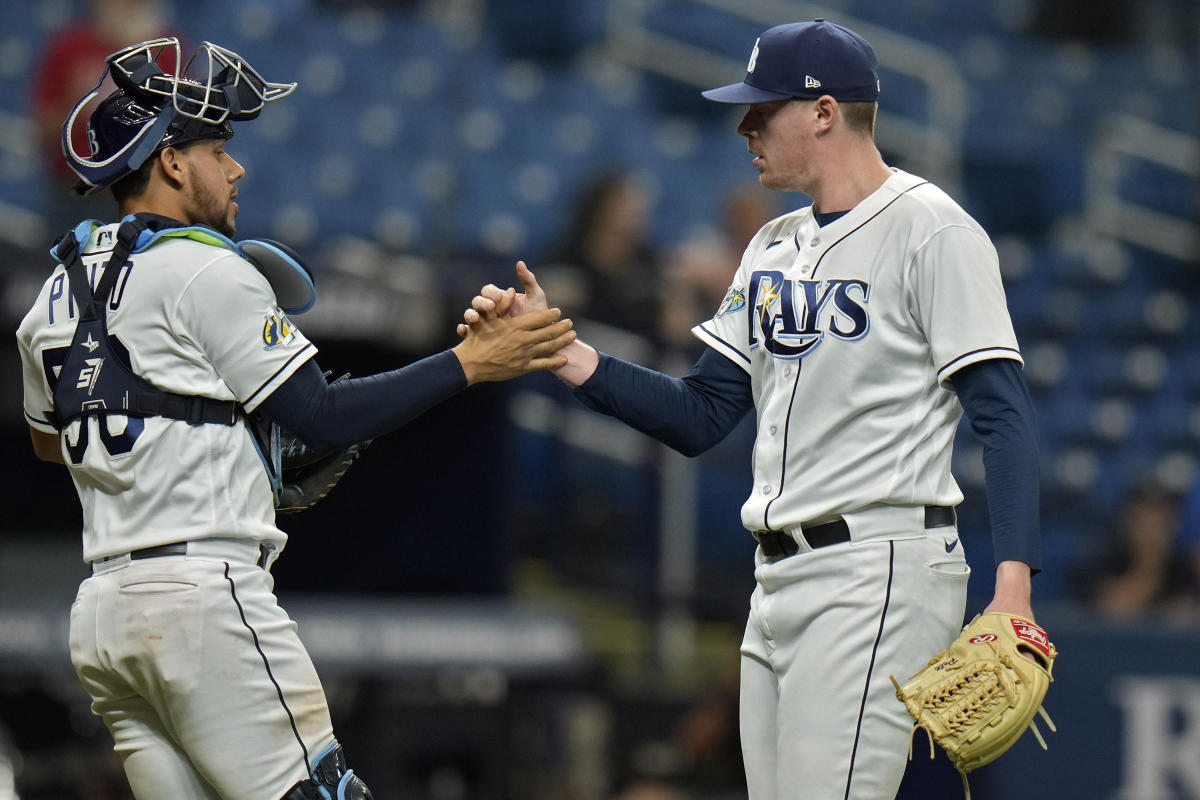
506	334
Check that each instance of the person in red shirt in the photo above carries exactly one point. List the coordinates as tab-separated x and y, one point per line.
67	71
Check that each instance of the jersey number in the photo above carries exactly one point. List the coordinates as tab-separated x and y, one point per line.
117	444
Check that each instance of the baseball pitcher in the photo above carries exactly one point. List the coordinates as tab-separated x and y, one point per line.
857	329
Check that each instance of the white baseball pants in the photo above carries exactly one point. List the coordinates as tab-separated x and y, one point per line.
199	675
819	716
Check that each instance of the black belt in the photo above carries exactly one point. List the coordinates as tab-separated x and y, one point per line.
778	543
173	549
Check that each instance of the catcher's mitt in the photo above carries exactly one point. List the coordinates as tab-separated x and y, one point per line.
978	696
299	475
307	477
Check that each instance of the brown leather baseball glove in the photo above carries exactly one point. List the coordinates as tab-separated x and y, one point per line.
977	697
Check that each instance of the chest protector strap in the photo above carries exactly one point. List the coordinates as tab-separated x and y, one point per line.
97	377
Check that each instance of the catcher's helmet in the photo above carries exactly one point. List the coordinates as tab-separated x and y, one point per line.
152	109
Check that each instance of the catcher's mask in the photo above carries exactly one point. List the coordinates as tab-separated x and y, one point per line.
152	109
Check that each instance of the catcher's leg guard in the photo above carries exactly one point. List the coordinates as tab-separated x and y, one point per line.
331	780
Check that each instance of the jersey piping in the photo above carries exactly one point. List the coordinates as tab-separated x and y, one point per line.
787	432
729	345
253	400
1000	352
858	227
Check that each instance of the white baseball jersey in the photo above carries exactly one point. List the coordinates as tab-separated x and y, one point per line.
849	333
196	319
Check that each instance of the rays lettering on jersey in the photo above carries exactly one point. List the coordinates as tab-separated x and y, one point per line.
791	317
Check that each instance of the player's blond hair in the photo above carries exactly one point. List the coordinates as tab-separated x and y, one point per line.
860	117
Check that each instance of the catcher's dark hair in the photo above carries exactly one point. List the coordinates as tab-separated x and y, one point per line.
133	184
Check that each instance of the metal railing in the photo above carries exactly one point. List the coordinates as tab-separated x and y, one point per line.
932	145
1122	141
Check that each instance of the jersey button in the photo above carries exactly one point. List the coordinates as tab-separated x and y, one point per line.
766	490
774	428
814	243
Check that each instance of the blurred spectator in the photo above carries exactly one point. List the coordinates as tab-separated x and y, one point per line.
698	272
1189	539
605	268
65	73
697	756
1143	571
708	741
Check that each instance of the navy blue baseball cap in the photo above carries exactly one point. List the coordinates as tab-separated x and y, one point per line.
806	60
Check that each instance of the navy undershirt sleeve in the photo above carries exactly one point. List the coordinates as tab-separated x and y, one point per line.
996	401
330	415
689	414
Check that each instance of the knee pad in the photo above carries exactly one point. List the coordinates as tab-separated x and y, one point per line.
331	780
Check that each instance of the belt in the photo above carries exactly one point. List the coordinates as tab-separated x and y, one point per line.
780	543
174	549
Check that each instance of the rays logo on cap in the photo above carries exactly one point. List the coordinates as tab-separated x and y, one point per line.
805	60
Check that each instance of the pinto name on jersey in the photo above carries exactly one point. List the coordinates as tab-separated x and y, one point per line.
791	317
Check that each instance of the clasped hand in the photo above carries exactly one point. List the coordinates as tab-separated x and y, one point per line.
506	334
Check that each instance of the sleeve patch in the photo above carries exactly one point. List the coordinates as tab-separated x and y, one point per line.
735	300
278	330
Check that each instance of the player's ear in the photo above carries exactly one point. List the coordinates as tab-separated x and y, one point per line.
170	162
826	110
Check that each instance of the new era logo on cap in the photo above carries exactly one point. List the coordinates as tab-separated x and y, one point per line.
806	60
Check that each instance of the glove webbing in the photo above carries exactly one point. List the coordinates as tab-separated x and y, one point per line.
959	722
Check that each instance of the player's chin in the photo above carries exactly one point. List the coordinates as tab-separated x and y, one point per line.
228	225
777	182
768	180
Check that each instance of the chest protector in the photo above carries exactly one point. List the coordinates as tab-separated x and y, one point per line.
97	378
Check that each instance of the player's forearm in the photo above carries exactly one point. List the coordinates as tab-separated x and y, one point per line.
1001	414
46	446
689	414
328	416
1013	589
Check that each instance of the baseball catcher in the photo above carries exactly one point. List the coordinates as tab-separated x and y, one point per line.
150	347
979	695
